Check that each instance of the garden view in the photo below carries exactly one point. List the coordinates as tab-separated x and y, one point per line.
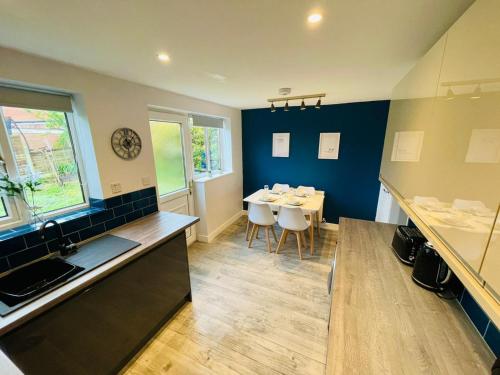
43	151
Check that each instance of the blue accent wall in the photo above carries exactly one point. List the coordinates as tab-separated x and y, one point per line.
350	183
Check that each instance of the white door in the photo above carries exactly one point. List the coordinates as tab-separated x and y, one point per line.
174	169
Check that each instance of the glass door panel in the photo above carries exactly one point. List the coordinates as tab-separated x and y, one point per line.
169	157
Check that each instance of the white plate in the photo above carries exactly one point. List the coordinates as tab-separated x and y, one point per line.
268	199
294	203
454	221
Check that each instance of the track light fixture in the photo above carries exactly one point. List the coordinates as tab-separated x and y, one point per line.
477	93
450	95
318	104
302	98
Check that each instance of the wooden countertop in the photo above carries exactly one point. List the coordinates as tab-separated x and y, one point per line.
149	231
383	323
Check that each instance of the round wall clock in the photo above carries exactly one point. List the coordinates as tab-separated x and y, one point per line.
126	143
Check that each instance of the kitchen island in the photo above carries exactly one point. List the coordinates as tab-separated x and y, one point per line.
381	322
112	299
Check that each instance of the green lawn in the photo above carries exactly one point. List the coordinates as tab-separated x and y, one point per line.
54	197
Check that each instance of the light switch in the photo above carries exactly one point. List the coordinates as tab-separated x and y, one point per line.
146	181
116	187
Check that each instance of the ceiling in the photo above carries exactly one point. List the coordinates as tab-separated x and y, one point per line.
236	52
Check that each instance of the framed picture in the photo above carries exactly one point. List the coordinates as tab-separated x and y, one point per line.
329	145
407	146
281	145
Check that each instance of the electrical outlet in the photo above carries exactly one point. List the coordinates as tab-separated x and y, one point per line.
116	187
146	181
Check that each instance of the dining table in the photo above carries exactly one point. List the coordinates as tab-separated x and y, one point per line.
311	206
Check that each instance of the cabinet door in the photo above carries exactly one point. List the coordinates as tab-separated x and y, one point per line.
467	146
99	330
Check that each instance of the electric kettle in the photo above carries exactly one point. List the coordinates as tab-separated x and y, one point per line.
430	270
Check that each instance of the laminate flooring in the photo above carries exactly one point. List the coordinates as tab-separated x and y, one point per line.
253	312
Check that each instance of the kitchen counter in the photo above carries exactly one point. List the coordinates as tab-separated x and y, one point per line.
148	231
382	322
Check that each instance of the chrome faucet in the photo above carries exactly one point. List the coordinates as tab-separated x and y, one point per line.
66	246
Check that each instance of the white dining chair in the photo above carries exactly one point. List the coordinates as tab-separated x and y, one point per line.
260	215
292	219
309	190
281	188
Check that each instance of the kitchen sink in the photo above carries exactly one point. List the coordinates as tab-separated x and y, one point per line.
30	281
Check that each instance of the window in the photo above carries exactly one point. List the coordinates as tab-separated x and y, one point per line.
206	134
3	209
168	154
37	144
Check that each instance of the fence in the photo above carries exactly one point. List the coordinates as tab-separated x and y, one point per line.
44	162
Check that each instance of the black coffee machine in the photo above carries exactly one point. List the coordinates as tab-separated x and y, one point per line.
430	271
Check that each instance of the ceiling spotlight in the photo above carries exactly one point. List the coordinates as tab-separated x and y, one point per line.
273	108
302	105
450	95
318	104
286	107
477	93
163	57
314	18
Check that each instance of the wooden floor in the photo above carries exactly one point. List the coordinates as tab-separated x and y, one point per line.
252	312
384	323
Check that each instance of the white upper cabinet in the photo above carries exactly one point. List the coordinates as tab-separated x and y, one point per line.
442	146
490	269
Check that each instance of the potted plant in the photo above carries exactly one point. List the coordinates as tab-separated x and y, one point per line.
25	191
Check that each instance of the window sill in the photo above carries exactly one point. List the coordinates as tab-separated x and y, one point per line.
60	218
213	177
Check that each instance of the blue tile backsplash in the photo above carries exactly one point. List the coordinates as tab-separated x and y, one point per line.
23	244
484	325
492	338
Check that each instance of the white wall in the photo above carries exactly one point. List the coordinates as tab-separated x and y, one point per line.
388	210
105	103
209	196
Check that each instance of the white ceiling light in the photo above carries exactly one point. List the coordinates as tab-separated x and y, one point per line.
314	18
285	91
163	57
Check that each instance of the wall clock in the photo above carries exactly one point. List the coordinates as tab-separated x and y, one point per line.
126	143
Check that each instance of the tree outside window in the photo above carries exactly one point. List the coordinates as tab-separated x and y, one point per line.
206	145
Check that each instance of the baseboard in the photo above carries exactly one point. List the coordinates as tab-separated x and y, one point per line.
211	236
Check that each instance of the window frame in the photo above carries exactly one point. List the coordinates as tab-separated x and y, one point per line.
206	138
17	213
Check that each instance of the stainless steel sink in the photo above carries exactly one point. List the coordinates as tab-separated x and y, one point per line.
28	282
